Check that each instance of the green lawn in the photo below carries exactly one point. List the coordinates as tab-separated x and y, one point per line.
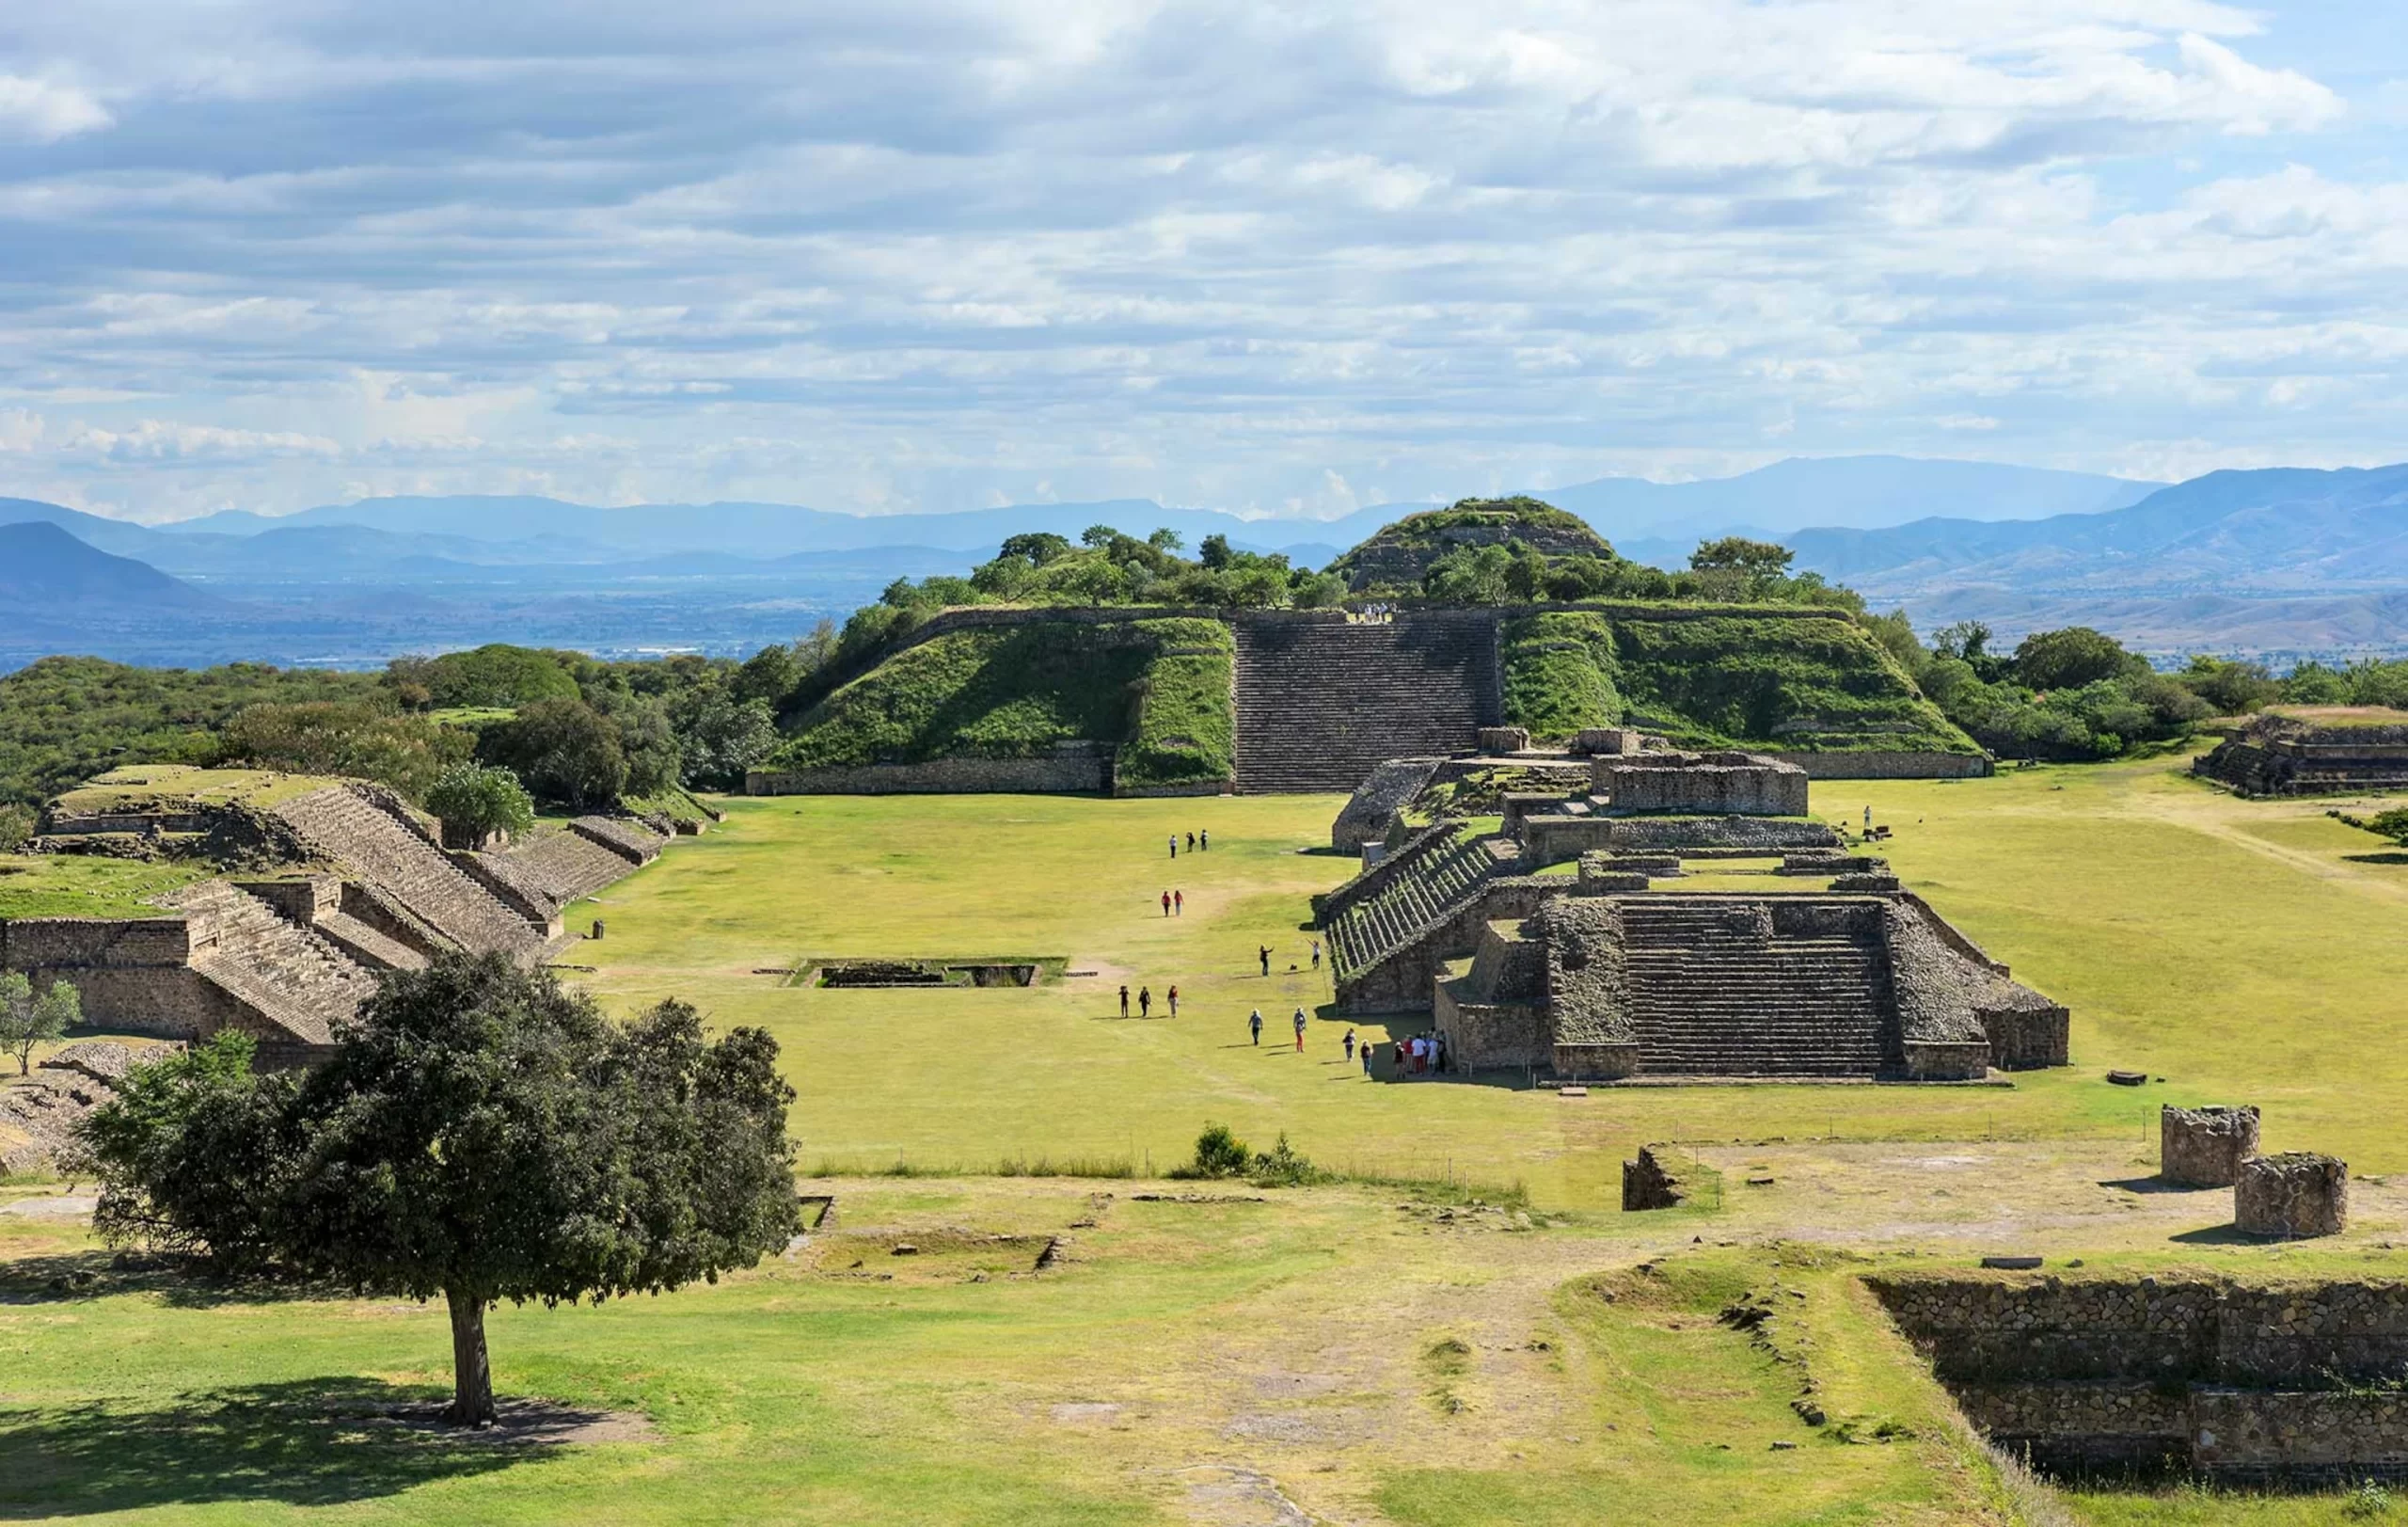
1371	1354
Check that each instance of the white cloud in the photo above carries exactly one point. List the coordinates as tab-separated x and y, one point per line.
44	111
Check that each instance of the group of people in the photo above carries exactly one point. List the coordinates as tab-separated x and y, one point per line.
1373	615
1146	1001
1197	842
1262	953
1418	1055
1254	1027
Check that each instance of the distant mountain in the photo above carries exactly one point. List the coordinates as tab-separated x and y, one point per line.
45	571
1847	492
2284	530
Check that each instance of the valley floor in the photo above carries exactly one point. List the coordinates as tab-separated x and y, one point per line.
1445	1352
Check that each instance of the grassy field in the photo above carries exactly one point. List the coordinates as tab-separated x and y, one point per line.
1352	1354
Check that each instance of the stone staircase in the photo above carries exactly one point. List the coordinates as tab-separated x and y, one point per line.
559	867
286	974
1717	991
371	845
1432	878
1320	704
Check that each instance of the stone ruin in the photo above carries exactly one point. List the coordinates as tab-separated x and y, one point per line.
1653	1181
2290	1384
337	881
2312	753
2205	1147
1598	977
2294	1195
38	1115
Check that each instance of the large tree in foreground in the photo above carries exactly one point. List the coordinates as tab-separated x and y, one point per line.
482	1134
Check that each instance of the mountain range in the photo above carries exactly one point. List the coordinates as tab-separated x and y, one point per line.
2286	561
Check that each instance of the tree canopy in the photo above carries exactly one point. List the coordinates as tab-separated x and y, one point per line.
481	1133
29	1017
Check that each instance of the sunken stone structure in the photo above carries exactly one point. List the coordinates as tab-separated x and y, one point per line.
346	881
2292	1384
2294	1195
1597	976
1653	1182
2205	1147
2313	754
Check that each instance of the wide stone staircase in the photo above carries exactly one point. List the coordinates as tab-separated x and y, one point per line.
287	974
1431	878
1320	704
1717	990
373	845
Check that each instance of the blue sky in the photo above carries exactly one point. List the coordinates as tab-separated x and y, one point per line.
1299	258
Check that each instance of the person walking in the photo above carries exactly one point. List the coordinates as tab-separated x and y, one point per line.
1204	840
1145	1002
1350	1045
1190	842
1174	845
1124	1002
1315	954
1254	1025
1179	904
1366	1060
1165	903
1300	1030
1172	997
1264	955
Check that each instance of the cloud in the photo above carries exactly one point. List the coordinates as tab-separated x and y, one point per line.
931	252
42	111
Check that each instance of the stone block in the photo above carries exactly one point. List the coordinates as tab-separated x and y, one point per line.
2294	1195
1608	741
2205	1147
1504	739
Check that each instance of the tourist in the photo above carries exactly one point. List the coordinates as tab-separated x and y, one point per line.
1367	1059
1254	1025
1350	1044
1315	954
1145	1002
1300	1030
1264	955
1190	842
1179	904
1124	1001
1165	903
1204	840
1174	845
1172	997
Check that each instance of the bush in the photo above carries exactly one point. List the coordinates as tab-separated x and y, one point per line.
1220	1153
480	800
17	825
563	751
357	740
1559	671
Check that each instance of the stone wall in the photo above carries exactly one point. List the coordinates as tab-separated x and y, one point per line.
1709	783
2205	1147
2287	1383
1079	770
1373	809
2294	1195
1874	764
1653	1181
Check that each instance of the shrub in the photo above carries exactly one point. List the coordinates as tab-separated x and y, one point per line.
16	826
1220	1153
565	750
28	1017
357	740
480	800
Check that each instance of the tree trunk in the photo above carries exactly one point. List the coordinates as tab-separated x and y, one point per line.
471	1375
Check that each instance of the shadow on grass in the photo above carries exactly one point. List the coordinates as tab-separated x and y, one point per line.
2219	1236
2392	858
2158	1185
312	1442
185	1282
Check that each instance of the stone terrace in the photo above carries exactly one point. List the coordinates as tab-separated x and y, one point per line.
1323	703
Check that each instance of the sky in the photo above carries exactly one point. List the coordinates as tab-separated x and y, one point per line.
1290	258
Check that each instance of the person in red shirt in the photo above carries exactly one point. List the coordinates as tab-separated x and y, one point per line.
1165	903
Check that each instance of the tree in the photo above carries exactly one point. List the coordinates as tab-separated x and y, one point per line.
1166	539
17	825
28	1017
1034	547
1213	551
2070	658
482	1134
2230	688
1737	554
561	750
333	737
650	745
480	800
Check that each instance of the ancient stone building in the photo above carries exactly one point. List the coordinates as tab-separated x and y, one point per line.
2312	753
2205	1147
1699	784
2294	1195
1600	976
345	881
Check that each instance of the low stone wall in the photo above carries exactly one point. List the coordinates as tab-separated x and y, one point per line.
1715	783
1486	1035
1148	792
1886	765
2205	1147
1946	1062
37	943
1060	773
2295	1195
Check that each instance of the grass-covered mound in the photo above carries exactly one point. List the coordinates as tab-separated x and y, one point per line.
71	885
1400	556
1157	689
1769	678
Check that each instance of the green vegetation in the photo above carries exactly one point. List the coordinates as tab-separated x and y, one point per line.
2066	694
1810	683
480	800
29	1016
1560	671
174	788
63	720
344	738
72	886
1158	689
480	1133
493	676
